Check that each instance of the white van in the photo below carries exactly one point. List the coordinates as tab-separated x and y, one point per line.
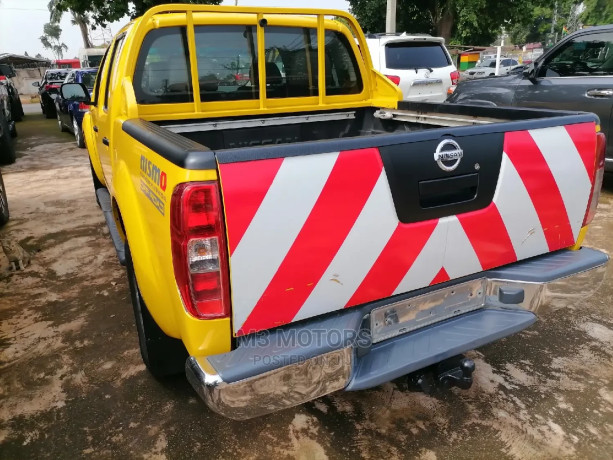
419	64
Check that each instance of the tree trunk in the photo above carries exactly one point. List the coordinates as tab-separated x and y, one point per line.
444	25
80	21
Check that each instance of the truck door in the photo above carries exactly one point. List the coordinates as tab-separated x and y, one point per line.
576	76
101	113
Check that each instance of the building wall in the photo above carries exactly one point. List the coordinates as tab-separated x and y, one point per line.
25	77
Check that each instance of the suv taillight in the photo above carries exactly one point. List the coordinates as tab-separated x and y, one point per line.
199	254
455	76
48	87
601	147
394	78
83	106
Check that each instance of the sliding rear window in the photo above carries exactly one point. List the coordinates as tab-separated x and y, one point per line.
415	55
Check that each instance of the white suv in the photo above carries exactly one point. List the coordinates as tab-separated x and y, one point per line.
419	64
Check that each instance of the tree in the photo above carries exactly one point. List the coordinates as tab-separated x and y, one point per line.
101	12
51	40
597	12
474	22
78	19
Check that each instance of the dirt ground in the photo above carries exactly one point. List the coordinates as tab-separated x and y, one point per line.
72	383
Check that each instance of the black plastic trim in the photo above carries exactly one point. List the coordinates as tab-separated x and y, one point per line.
177	149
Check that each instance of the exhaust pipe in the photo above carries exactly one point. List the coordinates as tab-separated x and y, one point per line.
453	372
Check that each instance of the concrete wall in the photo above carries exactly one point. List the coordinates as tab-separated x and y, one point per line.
24	79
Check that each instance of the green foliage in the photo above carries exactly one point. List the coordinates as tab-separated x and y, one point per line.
51	39
597	12
470	22
102	12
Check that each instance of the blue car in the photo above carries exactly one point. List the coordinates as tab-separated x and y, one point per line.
70	113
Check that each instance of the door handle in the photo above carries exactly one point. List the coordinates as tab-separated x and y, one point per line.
105	141
600	92
95	129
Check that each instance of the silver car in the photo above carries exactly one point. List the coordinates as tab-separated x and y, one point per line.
488	68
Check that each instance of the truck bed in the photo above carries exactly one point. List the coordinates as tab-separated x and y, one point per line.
239	133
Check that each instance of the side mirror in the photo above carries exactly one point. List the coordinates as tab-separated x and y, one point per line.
36	83
75	92
530	72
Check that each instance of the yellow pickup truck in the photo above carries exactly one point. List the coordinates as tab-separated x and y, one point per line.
291	228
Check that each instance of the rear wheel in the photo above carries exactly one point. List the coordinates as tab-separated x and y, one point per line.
163	355
13	129
60	124
4	204
17	109
48	110
78	133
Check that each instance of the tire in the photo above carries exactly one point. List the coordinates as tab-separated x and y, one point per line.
7	149
17	109
4	204
49	110
163	355
14	130
60	125
78	135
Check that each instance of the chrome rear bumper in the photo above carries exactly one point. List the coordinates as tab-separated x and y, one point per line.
264	376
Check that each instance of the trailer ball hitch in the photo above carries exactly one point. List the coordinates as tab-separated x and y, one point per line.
453	372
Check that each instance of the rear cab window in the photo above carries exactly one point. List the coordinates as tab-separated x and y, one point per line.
162	73
227	65
415	55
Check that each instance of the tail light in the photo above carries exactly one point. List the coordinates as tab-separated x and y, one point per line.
2	77
394	78
83	106
455	77
601	147
199	252
48	87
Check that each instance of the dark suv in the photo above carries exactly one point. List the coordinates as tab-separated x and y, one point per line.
48	90
576	74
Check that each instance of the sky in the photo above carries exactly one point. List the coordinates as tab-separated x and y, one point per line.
21	23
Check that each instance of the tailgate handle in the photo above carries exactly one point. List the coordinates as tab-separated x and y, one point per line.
447	191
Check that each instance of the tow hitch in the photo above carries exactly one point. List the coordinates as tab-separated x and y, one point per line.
453	372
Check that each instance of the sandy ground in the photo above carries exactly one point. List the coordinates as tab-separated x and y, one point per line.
72	383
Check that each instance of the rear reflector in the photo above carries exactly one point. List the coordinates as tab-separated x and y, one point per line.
199	252
455	77
601	147
394	78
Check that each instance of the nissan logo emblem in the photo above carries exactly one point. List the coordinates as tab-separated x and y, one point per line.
448	155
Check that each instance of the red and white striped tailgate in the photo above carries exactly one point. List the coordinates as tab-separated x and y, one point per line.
316	233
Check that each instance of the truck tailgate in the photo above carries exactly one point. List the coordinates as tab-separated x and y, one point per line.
314	233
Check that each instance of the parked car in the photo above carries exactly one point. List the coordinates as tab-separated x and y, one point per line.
70	113
7	128
48	89
488	68
4	204
419	64
391	236
576	74
6	73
